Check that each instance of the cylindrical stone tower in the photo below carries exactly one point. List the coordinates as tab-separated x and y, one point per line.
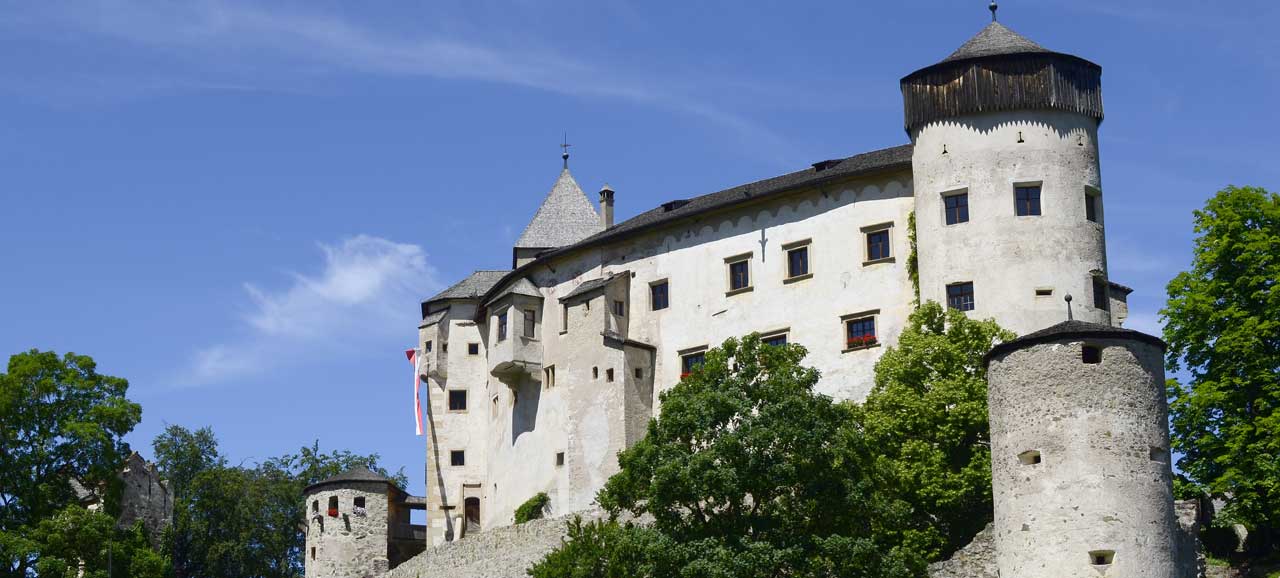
347	521
1080	454
1007	188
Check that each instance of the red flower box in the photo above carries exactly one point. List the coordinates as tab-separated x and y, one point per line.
862	341
333	512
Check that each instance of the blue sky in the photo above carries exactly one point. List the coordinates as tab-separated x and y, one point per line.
238	206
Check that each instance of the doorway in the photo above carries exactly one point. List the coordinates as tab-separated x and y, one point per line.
471	515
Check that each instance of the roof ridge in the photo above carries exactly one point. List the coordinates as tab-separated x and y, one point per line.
565	217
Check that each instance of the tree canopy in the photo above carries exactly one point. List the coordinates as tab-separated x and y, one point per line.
1222	324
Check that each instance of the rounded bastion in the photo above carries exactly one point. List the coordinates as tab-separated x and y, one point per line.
347	520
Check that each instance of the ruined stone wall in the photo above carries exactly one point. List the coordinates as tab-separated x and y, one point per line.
145	498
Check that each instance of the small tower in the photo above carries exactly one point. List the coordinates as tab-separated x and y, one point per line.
1080	454
1007	182
565	217
358	526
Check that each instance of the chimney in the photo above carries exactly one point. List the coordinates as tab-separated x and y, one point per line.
606	206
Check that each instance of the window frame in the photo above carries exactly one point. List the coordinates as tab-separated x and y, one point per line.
876	229
946	215
729	262
785	334
473	348
619	308
449	397
666	294
502	321
564	318
1093	203
699	351
793	247
1100	293
454	461
973	295
1018	188
846	323
549	376
530	327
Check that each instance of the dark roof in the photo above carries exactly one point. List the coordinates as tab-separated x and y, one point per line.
433	317
474	286
358	474
1125	289
1072	330
890	159
592	285
995	40
565	216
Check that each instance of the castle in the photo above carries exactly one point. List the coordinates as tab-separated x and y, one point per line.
537	376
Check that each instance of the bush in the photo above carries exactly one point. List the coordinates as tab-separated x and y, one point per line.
533	508
600	549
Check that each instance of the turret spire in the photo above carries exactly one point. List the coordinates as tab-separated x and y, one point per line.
993	7
564	147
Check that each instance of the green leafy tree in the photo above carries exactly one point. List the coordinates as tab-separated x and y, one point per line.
748	472
60	420
1222	324
77	539
927	418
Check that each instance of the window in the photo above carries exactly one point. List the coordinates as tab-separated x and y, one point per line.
564	318
595	373
313	552
426	347
860	332
1026	200
775	339
559	458
658	298
639	373
445	348
549	376
1091	201
878	245
315	506
1029	458
619	308
690	361
1100	298
457	458
1102	557
960	296
530	320
359	501
473	349
608	374
493	407
1091	354
333	506
1044	291
956	208
502	326
457	400
797	261
740	275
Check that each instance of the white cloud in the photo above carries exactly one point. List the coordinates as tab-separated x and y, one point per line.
366	293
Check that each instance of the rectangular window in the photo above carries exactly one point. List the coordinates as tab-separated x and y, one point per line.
559	458
457	458
619	308
502	326
1100	298
860	332
956	208
690	361
1027	200
658	297
739	275
457	400
775	339
530	320
473	349
639	373
798	262
1091	207
878	245
564	318
608	374
960	296
426	347
595	373
549	376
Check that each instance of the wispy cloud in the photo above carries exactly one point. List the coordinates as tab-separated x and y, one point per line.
364	294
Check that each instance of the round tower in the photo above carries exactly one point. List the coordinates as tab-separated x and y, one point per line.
347	525
1080	454
1008	195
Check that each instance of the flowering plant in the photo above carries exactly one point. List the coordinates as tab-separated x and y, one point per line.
862	341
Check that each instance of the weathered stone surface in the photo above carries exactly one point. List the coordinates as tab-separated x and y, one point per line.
505	552
977	560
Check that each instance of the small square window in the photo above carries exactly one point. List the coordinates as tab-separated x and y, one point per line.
691	361
860	332
530	322
359	502
798	262
956	208
473	349
960	296
608	374
775	339
1027	200
639	373
502	326
559	458
1100	298
1091	354
457	458
658	297
878	245
619	308
739	275
457	400
426	347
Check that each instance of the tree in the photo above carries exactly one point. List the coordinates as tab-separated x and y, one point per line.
59	420
743	476
77	539
927	417
1222	324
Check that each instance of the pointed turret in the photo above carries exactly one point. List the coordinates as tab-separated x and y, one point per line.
565	217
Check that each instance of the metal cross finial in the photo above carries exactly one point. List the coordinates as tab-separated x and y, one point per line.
564	146
1068	300
993	7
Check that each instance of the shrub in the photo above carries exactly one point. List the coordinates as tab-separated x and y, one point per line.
533	508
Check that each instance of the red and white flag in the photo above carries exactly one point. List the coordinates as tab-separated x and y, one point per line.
412	354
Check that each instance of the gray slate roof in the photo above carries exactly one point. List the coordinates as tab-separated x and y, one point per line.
565	217
433	317
1073	330
357	474
521	287
592	285
474	286
995	40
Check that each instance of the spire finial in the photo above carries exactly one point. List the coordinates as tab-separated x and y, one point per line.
564	146
993	7
1068	300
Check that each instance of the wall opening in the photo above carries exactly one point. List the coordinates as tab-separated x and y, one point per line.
1029	457
639	373
1158	454
1091	354
359	501
471	513
333	506
1044	292
457	458
1102	557
608	374
315	506
313	552
559	458
595	373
